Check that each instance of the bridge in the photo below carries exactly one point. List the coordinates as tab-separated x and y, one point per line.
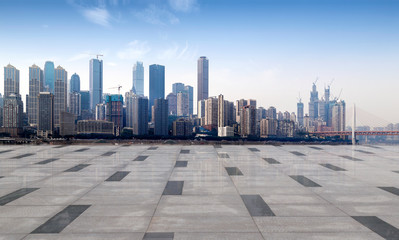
357	133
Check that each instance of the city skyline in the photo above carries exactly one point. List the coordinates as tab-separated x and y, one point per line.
277	48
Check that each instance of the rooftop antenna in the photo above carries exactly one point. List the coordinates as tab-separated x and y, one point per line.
299	98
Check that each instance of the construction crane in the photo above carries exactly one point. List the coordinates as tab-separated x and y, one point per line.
317	79
299	98
118	87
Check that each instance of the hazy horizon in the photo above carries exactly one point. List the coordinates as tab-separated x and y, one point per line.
264	50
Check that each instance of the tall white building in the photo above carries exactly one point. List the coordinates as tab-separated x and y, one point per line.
182	104
11	80
36	84
60	94
138	78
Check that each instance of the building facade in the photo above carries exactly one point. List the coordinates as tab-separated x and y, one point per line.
161	117
45	124
11	80
75	103
157	84
36	79
96	82
137	113
49	76
74	83
203	78
138	78
60	94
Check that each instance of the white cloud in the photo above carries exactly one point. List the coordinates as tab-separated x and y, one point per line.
177	52
183	5
157	16
98	16
134	50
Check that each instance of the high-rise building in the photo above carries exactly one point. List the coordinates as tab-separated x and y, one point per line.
137	113
160	117
67	124
101	111
338	116
172	101
85	97
203	78
190	91
13	111
96	82
272	113
45	124
226	112
11	80
157	83
49	79
182	127
138	78
239	104
286	115
36	79
177	87
211	113
268	127
60	94
300	113
114	111
248	121
74	83
201	109
75	103
314	103
182	104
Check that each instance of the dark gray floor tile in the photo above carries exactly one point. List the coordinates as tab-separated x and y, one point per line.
15	195
184	151
173	188
217	146
159	236
363	151
371	146
82	150
256	206
60	146
350	158
392	190
152	148
181	164
396	171
48	161
140	158
6	151
232	171
118	176
223	155
23	155
253	149
316	148
304	181
107	154
297	153
1	176
77	168
62	219
271	160
378	226
332	167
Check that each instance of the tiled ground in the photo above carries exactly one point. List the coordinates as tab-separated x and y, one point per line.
199	192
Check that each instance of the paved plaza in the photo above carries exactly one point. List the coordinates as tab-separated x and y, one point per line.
199	192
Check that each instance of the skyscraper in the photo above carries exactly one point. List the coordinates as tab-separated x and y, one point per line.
74	84
60	94
338	116
45	124
96	82
11	80
177	87
138	78
203	78
161	117
314	103
35	87
137	113
211	113
49	80
182	104
248	121
75	103
12	111
190	91
114	110
157	83
172	102
300	113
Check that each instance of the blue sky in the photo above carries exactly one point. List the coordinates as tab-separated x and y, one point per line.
269	50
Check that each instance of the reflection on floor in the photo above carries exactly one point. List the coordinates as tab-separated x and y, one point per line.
199	192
